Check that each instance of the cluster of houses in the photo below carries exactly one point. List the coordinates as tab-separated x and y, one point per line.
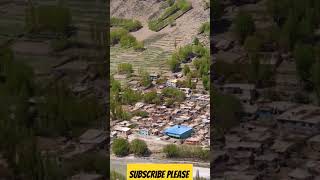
274	140
187	122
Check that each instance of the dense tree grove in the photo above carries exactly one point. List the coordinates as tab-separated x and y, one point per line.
244	26
28	109
201	61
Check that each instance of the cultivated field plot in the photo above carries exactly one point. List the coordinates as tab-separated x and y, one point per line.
152	59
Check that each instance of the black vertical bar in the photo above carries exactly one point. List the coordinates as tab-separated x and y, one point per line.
108	82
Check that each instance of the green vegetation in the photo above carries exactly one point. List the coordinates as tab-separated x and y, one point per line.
183	151
174	94
201	61
186	70
170	14
59	44
152	98
304	57
145	79
62	113
56	19
227	112
125	39
128	24
217	9
143	114
98	164
205	28
17	127
130	96
116	176
120	147
244	26
252	45
125	68
316	79
244	72
296	21
139	147
117	98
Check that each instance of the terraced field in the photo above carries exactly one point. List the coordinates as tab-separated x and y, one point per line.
152	59
84	13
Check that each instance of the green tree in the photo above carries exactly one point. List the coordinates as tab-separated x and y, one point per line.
120	147
130	96
227	112
316	79
254	69
217	9
244	26
139	147
304	58
252	44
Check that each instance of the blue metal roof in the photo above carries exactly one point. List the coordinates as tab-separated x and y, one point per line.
178	129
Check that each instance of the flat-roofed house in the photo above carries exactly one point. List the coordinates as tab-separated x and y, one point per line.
179	131
172	83
300	174
245	92
314	143
93	136
304	119
122	131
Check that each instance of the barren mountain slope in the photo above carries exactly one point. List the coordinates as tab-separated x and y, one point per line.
186	26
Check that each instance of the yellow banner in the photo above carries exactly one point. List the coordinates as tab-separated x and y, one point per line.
159	171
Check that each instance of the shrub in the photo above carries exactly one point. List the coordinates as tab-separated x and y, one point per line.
184	151
59	44
49	18
120	147
173	93
130	96
151	98
304	58
139	147
174	64
143	114
244	26
125	68
116	176
171	151
205	28
125	39
252	44
145	79
138	46
115	35
128	24
186	70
